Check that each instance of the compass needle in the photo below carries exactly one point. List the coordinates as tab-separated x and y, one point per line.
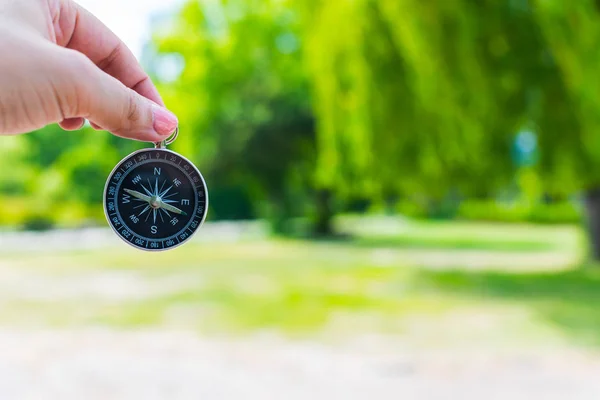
168	207
137	194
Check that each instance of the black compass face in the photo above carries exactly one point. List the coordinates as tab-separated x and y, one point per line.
155	199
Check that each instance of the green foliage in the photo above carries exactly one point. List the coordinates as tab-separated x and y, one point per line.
296	108
568	107
56	178
15	151
410	96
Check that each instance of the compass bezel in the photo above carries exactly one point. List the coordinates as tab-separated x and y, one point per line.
108	184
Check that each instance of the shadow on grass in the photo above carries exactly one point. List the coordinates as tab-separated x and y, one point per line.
569	300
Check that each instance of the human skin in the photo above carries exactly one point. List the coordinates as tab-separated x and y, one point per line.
60	64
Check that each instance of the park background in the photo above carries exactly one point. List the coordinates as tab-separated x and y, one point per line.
404	203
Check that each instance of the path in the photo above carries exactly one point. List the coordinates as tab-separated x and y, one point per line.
103	364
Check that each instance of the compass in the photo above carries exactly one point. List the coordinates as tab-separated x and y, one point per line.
155	199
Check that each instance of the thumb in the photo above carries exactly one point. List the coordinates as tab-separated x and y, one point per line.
118	109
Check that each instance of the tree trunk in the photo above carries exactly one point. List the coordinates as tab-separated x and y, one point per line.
592	206
324	213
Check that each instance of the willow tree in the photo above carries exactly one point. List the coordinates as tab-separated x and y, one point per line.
418	98
437	90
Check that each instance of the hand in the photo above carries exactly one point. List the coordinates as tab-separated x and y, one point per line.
61	64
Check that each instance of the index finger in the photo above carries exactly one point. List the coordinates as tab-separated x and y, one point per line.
82	31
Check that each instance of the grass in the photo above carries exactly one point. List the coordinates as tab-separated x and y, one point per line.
568	300
383	280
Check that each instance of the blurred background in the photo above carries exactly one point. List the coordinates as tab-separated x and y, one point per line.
404	203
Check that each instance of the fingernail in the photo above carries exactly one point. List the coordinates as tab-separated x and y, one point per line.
165	122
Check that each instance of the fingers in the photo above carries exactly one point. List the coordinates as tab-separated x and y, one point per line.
118	109
72	124
82	31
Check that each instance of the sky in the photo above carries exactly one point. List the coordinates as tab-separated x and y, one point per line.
129	19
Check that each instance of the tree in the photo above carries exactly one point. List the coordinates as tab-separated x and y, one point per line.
437	92
417	98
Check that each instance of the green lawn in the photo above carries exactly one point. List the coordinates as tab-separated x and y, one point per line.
415	278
